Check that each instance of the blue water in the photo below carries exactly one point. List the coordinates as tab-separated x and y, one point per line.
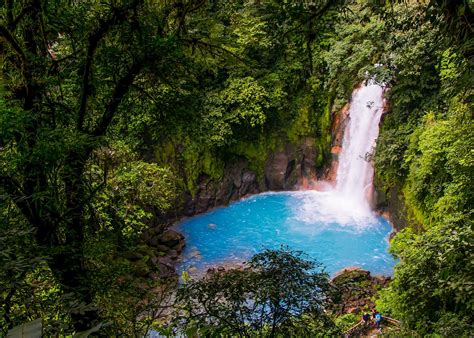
321	224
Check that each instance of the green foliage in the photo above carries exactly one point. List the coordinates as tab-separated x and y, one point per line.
28	289
272	94
355	51
440	174
433	280
131	303
71	71
257	152
110	111
136	193
242	103
303	124
346	321
425	147
390	162
279	292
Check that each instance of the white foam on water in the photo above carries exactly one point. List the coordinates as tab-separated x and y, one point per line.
330	207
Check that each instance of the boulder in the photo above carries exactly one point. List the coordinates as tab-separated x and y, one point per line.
206	194
224	191
308	160
170	238
166	271
234	172
154	276
189	208
154	240
166	261
179	247
165	266
145	250
155	261
148	234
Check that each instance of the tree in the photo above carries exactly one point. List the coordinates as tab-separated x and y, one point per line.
69	70
277	293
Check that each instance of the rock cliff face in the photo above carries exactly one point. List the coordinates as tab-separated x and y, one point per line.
339	123
284	169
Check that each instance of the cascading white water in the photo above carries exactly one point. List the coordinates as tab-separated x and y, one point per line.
348	203
355	172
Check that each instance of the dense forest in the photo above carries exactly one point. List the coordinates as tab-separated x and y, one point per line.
118	118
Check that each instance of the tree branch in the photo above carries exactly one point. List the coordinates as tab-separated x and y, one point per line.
19	197
210	46
118	16
121	89
144	92
189	9
5	34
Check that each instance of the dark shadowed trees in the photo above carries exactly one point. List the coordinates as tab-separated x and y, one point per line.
278	292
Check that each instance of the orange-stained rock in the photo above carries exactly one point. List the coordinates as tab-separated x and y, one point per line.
339	122
336	150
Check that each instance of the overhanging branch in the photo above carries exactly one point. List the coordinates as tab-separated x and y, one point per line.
6	35
118	16
121	89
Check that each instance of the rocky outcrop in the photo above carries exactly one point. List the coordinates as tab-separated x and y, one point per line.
158	253
284	169
354	290
238	181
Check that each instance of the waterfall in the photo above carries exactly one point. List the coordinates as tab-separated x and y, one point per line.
355	171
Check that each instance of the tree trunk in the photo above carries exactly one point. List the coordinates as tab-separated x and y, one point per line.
69	264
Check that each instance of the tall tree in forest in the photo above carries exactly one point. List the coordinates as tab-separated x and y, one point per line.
68	70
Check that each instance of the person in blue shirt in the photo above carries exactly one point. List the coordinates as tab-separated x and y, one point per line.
378	319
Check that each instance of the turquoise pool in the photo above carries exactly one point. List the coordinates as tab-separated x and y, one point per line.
324	225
